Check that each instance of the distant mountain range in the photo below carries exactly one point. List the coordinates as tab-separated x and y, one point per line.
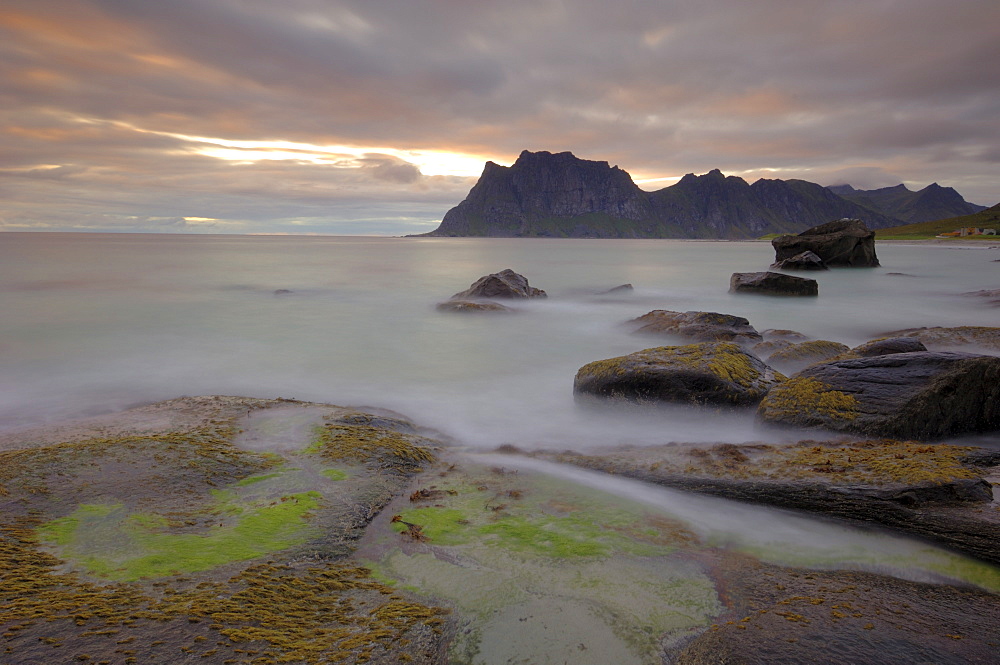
559	195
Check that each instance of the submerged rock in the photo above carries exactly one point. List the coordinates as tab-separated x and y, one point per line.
805	261
772	283
950	338
699	326
708	373
472	306
888	345
794	357
503	284
922	395
845	242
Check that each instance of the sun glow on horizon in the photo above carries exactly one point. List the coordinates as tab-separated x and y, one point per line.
429	162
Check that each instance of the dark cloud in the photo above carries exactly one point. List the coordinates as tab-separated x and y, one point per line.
99	95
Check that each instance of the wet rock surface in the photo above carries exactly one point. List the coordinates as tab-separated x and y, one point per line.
938	492
697	326
719	373
938	337
772	283
803	616
465	306
924	395
845	242
889	345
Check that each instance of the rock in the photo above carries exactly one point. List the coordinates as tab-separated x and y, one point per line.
768	347
805	261
472	306
699	326
885	346
779	333
503	284
618	289
921	395
992	296
950	338
794	357
707	373
846	242
772	283
282	292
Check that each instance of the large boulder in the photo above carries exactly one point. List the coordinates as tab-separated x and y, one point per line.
698	326
920	395
772	284
846	242
708	373
805	261
503	284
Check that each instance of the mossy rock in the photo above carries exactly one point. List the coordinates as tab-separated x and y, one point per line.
472	306
920	395
719	373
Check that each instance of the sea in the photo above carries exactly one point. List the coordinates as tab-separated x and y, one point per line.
94	323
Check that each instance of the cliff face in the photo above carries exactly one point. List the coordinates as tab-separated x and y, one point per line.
558	195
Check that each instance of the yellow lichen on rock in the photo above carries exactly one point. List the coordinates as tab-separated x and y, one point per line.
802	398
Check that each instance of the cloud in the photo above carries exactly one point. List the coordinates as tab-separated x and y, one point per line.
101	99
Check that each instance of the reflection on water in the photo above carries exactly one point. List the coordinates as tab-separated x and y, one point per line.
97	322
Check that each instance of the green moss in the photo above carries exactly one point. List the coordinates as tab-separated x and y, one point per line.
545	537
260	530
805	399
365	444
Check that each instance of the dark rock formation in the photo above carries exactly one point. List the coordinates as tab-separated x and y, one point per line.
794	357
772	284
884	347
991	296
558	195
931	203
623	288
708	373
950	338
846	242
699	326
772	334
466	306
922	395
804	261
503	284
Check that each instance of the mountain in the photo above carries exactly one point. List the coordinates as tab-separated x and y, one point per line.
559	195
930	203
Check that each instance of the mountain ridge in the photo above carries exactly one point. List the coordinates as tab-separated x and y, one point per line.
547	194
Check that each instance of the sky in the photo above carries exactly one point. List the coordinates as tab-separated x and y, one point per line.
375	117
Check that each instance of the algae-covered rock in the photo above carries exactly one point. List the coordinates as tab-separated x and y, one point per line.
772	284
921	395
707	373
503	284
793	357
698	326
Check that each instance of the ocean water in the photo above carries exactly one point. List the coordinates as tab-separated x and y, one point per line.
91	323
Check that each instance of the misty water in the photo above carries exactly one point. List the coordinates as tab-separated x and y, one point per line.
97	322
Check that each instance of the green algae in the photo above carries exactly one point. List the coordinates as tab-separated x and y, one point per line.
334	474
258	531
251	480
